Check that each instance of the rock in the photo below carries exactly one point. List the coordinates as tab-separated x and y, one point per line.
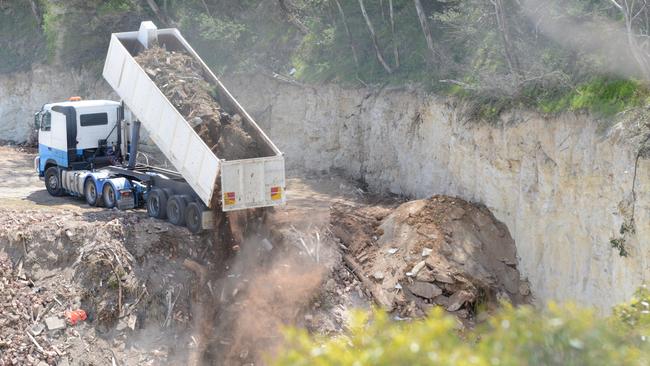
524	288
378	275
37	329
457	300
457	213
392	250
54	323
416	269
425	289
425	275
444	278
426	252
442	300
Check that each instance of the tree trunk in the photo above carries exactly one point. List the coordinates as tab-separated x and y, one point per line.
392	30
157	12
347	31
37	12
504	29
373	35
425	28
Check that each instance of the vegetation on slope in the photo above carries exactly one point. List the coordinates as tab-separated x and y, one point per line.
554	55
561	335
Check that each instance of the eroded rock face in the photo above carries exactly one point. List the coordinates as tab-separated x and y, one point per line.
563	186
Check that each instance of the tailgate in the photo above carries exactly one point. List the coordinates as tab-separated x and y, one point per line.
252	183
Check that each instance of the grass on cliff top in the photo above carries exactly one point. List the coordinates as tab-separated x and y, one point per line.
603	97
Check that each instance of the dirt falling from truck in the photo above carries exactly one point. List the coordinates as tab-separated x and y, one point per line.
241	302
181	79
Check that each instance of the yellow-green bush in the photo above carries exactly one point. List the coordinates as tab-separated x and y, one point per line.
559	335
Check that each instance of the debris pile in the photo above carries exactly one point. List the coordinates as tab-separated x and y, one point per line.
181	79
24	338
437	252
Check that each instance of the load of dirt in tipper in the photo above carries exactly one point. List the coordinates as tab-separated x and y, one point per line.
441	251
180	78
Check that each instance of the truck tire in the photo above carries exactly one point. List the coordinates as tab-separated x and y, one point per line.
176	207
193	219
53	181
90	192
108	196
157	204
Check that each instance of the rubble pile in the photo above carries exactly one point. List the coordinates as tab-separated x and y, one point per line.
24	339
442	251
181	79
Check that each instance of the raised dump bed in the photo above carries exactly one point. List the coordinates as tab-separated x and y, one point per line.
244	183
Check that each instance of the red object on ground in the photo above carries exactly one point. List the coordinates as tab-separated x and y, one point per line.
75	316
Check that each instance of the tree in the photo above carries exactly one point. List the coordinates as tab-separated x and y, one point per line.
425	28
373	36
636	18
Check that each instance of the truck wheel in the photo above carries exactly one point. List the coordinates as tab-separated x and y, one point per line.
53	181
193	217
176	207
90	192
157	204
108	196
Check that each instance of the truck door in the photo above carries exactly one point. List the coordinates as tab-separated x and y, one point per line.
52	140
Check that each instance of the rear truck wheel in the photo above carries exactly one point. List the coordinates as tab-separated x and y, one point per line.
90	192
108	196
157	204
194	217
176	207
53	181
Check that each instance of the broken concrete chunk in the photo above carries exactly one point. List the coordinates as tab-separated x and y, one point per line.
378	275
54	323
426	252
425	289
425	275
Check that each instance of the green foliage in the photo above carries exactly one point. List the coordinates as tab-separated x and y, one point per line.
21	42
560	335
603	96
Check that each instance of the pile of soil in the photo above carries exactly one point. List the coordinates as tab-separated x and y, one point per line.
181	79
442	251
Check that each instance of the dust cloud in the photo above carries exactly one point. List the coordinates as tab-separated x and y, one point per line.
603	38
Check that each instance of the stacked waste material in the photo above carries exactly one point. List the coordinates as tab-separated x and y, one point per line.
442	251
24	339
180	78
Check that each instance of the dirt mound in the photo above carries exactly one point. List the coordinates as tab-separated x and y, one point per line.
442	251
181	79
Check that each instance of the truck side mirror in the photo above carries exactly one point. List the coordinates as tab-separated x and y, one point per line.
37	120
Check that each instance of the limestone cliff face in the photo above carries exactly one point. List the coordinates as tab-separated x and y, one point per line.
564	186
23	94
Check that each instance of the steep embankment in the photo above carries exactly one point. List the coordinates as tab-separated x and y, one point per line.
565	186
23	93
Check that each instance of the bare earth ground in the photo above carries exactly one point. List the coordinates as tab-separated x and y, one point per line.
155	294
140	282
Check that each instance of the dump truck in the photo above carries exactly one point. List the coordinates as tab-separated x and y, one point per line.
89	148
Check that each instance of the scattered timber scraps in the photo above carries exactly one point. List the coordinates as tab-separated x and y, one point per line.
181	79
442	251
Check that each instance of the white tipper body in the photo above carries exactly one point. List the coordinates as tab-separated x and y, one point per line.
247	183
